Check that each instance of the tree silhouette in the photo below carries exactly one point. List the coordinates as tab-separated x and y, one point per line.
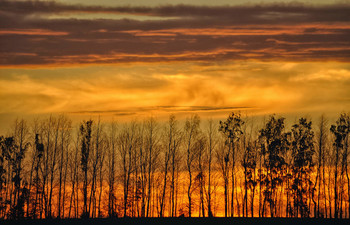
127	142
302	152
211	145
171	146
321	141
150	168
38	155
340	131
112	170
249	164
232	130
274	143
13	151
85	131
191	135
200	177
7	146
96	156
152	149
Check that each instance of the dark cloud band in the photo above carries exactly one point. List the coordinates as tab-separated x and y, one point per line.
292	32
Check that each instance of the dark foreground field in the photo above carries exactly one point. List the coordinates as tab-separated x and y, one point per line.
189	221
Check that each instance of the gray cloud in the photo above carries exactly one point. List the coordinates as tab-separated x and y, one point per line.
267	12
293	32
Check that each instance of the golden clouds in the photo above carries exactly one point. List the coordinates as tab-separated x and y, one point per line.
263	87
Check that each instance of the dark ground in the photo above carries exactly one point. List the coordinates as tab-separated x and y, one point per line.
185	221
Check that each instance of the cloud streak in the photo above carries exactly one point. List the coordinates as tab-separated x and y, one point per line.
264	12
163	109
286	32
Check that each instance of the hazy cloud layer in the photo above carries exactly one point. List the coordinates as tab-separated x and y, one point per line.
30	34
178	88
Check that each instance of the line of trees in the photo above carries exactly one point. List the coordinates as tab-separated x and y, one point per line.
237	167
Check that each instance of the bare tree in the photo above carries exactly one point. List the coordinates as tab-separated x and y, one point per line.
112	169
174	163
57	123
142	163
191	134
31	201
127	141
152	151
211	145
170	147
321	139
63	153
200	177
101	171
222	156
96	157
37	157
47	127
74	176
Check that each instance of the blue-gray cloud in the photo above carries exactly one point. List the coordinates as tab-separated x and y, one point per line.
284	31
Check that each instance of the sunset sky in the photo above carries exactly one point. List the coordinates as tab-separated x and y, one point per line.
138	58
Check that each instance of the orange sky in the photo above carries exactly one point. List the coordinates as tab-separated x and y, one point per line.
136	60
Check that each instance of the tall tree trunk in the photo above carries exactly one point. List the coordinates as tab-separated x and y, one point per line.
232	180
336	183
